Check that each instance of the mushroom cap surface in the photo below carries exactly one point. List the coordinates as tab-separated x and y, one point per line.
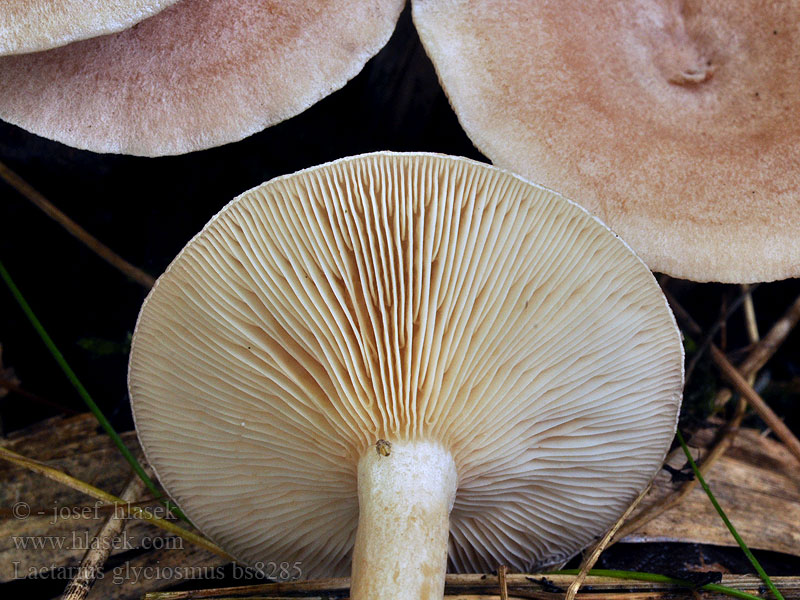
676	123
405	297
35	25
199	74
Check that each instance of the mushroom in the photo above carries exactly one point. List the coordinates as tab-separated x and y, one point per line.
394	358
33	25
673	122
198	74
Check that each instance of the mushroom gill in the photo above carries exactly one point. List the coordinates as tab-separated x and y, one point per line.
402	345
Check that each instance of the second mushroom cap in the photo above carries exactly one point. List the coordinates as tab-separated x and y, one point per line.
199	74
674	122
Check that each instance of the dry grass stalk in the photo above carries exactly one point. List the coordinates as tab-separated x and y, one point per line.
590	559
756	402
327	586
765	348
502	572
750	315
473	586
738	380
718	449
95	245
98	553
99	494
758	356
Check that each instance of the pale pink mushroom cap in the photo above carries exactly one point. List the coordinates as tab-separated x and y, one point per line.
199	74
34	25
676	123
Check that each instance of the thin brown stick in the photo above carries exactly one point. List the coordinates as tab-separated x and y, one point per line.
529	585
99	551
718	449
740	383
760	353
502	572
757	402
765	348
590	559
726	311
751	325
126	508
95	245
333	584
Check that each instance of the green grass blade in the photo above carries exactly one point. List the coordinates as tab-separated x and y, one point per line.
656	578
84	394
756	565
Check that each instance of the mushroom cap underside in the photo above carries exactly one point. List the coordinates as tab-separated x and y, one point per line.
405	297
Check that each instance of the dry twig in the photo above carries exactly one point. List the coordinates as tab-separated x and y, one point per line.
750	315
758	356
590	559
756	401
740	383
98	552
95	245
125	507
502	572
765	348
527	585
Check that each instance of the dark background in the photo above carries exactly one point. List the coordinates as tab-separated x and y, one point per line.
146	209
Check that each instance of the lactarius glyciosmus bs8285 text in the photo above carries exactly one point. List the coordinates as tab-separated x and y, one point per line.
400	361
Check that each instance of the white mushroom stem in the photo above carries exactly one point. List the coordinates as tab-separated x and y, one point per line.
405	493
